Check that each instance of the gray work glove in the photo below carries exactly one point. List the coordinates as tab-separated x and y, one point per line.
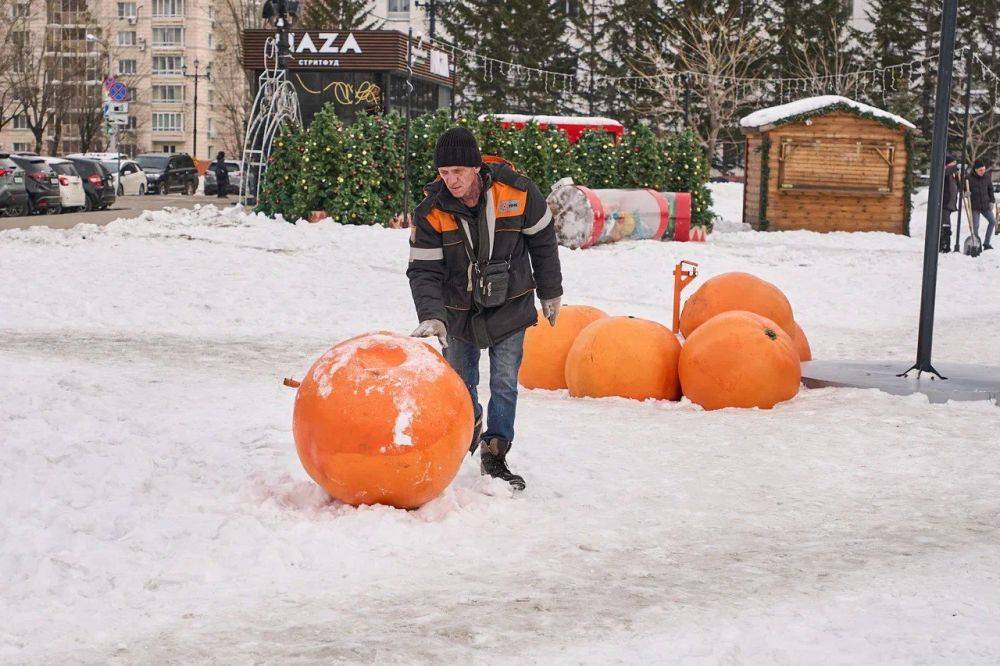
430	328
550	309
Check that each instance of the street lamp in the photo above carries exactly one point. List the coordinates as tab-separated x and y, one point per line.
207	75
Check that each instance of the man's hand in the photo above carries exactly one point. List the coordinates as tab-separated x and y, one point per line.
430	328
550	309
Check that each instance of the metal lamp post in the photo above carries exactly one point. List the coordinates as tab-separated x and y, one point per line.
197	75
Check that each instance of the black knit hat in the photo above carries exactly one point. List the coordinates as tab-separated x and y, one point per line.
980	163
457	147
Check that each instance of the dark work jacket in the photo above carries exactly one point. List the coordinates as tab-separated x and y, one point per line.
514	222
981	191
950	189
221	174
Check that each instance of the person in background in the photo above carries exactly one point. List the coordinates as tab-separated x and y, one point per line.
221	175
983	200
950	203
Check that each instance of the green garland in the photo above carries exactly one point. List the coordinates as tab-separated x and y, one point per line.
765	175
839	106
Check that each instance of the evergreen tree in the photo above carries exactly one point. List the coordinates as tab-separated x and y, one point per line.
642	161
687	171
597	159
527	33
280	183
341	14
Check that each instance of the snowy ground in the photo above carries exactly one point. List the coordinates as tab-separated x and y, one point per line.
155	511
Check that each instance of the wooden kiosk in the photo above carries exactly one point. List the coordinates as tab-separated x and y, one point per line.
827	164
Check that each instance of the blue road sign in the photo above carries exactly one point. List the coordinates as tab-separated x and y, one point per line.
118	91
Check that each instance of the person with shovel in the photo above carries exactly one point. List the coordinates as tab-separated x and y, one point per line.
982	200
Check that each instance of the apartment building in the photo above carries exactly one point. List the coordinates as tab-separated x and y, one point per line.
168	52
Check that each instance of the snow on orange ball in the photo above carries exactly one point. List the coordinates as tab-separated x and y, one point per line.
625	357
382	419
802	344
739	359
546	347
736	291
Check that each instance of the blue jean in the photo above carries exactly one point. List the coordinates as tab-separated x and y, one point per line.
505	361
990	228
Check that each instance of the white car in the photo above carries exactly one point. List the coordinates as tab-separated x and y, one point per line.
131	178
71	190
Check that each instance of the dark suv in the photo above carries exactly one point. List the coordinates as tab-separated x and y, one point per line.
13	195
97	182
169	172
42	184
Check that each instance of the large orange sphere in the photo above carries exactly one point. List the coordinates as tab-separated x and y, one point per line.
382	419
626	357
739	359
802	344
546	347
736	291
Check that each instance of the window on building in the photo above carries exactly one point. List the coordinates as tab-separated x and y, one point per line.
132	124
168	122
211	95
399	6
172	93
22	10
21	122
168	7
170	148
126	67
210	128
168	65
168	36
211	40
126	10
126	38
23	147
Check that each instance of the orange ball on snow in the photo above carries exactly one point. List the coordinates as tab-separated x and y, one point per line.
739	359
802	344
382	419
736	291
626	357
546	347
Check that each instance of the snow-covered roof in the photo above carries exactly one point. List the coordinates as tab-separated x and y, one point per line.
776	115
552	120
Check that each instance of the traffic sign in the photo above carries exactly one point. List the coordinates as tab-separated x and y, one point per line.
118	91
114	107
118	118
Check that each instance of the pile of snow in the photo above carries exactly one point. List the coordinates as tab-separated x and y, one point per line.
777	114
155	509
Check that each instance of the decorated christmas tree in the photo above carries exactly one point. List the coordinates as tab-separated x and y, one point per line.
687	171
597	158
641	160
280	184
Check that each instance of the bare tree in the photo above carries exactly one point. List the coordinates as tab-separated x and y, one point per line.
829	64
230	83
705	70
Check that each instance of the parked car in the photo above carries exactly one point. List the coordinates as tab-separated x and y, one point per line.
131	178
126	181
42	184
13	195
98	182
70	184
235	170
169	172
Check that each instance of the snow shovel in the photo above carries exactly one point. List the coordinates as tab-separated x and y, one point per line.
973	246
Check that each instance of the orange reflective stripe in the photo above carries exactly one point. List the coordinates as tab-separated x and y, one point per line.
508	201
442	221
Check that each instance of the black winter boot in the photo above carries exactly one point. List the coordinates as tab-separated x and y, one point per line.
493	462
477	430
946	238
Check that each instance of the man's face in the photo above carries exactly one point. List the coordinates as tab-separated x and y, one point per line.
981	171
460	180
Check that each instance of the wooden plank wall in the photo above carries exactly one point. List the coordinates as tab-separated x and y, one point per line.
831	211
751	188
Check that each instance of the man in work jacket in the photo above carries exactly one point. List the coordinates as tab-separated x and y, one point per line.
482	242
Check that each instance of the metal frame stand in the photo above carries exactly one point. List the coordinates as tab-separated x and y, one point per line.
275	105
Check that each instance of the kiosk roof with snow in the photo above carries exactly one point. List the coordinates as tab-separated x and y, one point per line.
827	164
